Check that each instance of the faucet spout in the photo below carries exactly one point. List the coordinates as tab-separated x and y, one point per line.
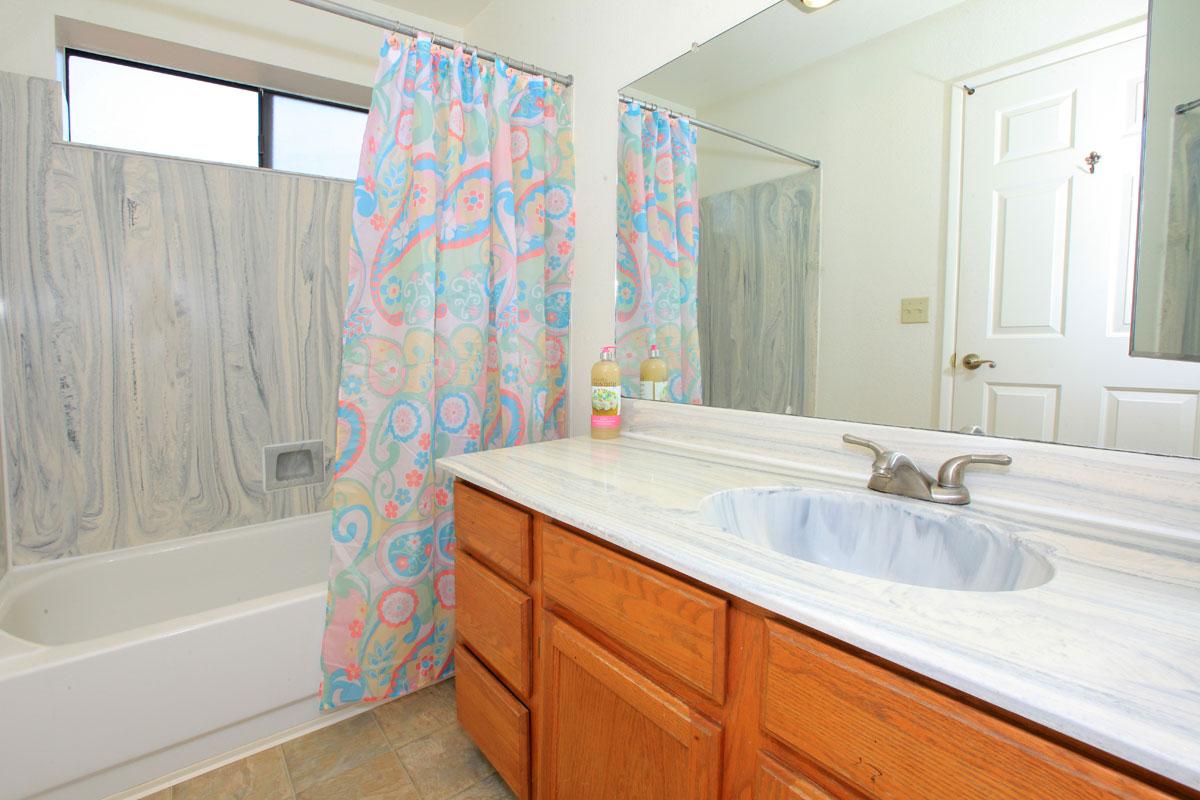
893	472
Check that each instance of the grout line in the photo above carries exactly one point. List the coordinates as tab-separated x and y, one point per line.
287	772
404	769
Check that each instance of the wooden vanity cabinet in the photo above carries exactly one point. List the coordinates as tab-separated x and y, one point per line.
586	673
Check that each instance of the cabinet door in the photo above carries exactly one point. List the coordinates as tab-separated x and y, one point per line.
774	781
611	732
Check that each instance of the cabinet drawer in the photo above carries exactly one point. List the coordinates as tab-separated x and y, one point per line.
496	620
495	532
895	738
494	719
676	626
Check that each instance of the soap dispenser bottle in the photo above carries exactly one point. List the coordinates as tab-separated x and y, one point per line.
654	376
606	395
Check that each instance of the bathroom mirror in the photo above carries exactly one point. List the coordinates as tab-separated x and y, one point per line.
1166	316
919	214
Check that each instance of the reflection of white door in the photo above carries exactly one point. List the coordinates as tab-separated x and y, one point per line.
1046	262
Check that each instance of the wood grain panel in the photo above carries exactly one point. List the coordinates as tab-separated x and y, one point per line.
894	738
166	319
611	732
497	533
758	292
774	781
494	719
676	626
496	620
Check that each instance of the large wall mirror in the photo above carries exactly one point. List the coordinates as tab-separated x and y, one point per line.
922	214
1166	317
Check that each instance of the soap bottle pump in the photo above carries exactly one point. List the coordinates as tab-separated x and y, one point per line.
654	376
606	395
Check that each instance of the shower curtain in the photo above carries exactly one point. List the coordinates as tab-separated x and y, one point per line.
454	340
658	229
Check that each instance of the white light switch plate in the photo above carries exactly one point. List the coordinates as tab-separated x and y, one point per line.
914	310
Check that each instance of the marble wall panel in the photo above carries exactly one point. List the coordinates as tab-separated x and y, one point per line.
164	320
758	285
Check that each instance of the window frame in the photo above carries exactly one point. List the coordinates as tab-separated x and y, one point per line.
266	120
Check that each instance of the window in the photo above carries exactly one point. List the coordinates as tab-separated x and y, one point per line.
130	106
307	136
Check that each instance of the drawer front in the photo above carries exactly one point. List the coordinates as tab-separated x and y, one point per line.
494	719
676	626
494	531
774	781
496	620
895	738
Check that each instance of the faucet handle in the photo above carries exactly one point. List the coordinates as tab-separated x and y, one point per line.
950	476
878	450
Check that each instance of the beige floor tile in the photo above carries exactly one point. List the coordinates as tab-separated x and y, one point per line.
444	763
419	714
259	777
381	778
319	756
164	794
492	788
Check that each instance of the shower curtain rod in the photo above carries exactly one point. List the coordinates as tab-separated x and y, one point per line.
708	126
408	30
1184	108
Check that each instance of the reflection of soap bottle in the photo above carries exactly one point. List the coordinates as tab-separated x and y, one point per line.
606	395
654	376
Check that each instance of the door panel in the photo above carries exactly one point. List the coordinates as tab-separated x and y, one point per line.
1037	128
611	732
1046	263
1022	412
1031	259
1164	422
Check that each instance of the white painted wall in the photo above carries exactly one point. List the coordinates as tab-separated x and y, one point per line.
606	45
876	117
277	33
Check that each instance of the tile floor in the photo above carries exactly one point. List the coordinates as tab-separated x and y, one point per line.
408	749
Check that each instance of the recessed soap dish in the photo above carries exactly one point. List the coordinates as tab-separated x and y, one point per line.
286	466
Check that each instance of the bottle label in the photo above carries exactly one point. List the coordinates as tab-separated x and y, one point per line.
654	390
606	401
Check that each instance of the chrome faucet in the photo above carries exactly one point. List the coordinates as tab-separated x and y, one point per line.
895	473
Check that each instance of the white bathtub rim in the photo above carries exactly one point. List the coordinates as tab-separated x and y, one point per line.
26	578
23	575
39	656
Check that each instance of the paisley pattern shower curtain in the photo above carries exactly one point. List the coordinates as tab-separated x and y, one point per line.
454	341
658	231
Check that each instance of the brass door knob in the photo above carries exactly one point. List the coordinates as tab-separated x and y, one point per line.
975	361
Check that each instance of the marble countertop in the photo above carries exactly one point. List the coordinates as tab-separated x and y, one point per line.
1107	652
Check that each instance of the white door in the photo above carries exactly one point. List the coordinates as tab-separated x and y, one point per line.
1046	264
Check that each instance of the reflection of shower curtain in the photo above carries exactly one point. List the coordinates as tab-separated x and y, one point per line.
1180	324
758	288
454	341
658	227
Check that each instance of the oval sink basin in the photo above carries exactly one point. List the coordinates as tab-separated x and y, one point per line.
879	537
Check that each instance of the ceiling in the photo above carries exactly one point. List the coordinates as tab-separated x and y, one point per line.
452	12
774	43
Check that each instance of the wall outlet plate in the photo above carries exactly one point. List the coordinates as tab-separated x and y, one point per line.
914	310
286	466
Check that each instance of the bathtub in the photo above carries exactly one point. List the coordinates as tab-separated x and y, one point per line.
118	669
